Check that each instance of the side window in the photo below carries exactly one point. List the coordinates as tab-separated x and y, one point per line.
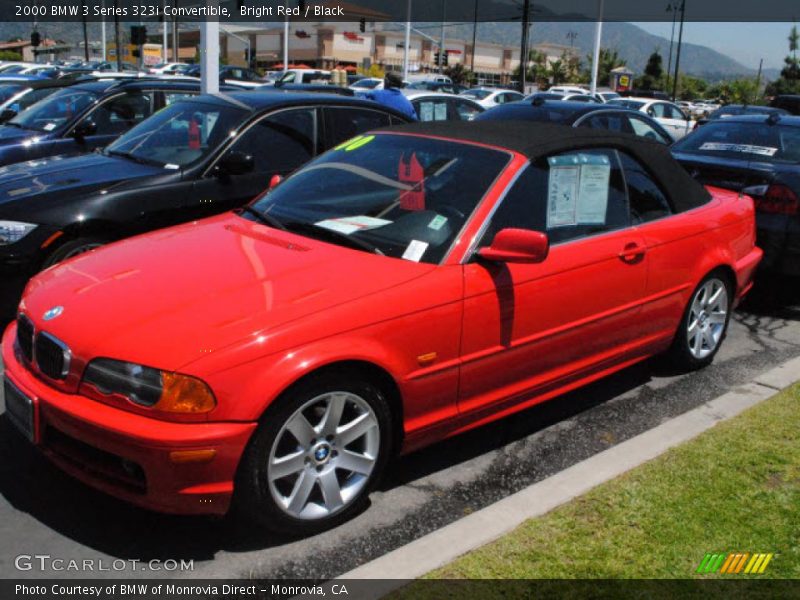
648	202
116	116
345	123
280	142
431	110
658	111
644	129
569	196
32	97
466	111
607	121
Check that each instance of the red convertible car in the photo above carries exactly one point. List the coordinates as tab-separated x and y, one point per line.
406	286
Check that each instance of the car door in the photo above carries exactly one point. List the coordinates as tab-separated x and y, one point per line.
529	328
663	113
681	122
279	142
641	127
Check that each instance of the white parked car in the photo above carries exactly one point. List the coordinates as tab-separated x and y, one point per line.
491	97
367	84
669	115
606	95
567	89
167	68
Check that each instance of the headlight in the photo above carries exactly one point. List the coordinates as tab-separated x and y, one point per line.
13	231
145	386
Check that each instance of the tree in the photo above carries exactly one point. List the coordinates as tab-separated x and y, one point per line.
608	60
789	81
692	88
557	72
458	73
10	55
653	73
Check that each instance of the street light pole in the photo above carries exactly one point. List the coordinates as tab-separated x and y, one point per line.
523	51
678	53
474	37
407	50
598	33
673	8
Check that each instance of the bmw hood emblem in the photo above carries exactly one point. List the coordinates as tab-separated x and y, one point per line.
53	313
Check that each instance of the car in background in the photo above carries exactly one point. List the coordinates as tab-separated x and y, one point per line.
437	86
15	67
436	106
788	102
16	95
491	97
367	84
758	156
566	90
165	68
581	114
669	115
304	76
737	110
410	284
606	95
195	157
85	116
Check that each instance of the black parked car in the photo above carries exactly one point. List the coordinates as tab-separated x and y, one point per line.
788	102
195	158
735	110
759	156
17	95
580	114
85	116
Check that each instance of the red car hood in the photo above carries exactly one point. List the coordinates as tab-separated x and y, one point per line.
167	298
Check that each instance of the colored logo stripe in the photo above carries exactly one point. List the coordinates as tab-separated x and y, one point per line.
734	563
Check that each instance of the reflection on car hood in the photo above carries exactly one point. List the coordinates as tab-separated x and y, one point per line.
60	174
168	298
11	136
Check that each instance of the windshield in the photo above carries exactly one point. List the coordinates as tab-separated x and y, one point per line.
479	94
7	91
55	110
180	134
745	141
402	196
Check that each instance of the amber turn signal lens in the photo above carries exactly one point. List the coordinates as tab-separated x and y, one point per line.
184	394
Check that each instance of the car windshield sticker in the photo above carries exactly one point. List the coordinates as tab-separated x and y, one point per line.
744	148
348	225
437	222
577	192
440	112
355	143
426	111
171	166
49	127
415	250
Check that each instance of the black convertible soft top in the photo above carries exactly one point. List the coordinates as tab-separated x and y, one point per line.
536	140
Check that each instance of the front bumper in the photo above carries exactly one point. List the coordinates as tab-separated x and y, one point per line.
130	456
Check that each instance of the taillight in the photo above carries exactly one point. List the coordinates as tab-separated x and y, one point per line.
777	199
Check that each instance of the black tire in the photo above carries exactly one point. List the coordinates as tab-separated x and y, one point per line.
72	248
254	496
684	353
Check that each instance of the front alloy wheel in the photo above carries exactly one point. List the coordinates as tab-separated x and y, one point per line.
316	454
323	456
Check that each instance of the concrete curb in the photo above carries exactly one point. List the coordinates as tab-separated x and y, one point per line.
444	545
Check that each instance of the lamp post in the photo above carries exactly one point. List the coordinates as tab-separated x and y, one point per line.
678	53
673	8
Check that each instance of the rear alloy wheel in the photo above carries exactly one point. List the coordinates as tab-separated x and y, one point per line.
704	324
315	457
72	248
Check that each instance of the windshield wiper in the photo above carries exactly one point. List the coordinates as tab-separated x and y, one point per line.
265	218
134	158
318	231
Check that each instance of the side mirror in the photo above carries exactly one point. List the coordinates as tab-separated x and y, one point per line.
517	246
84	129
7	115
274	181
236	163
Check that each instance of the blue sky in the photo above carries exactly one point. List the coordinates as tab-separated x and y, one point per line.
744	42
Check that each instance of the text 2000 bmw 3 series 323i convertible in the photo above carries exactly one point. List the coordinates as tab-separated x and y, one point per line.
408	285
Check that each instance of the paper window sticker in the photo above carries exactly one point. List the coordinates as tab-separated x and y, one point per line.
426	111
562	192
743	148
49	127
593	190
440	111
415	250
348	225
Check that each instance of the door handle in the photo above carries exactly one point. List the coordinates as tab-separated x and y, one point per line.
632	252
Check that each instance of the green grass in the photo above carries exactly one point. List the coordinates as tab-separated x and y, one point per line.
734	488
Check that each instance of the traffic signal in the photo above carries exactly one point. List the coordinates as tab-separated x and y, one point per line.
446	57
36	39
136	53
362	24
436	58
138	35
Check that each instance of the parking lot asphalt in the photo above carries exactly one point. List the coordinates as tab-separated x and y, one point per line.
44	512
